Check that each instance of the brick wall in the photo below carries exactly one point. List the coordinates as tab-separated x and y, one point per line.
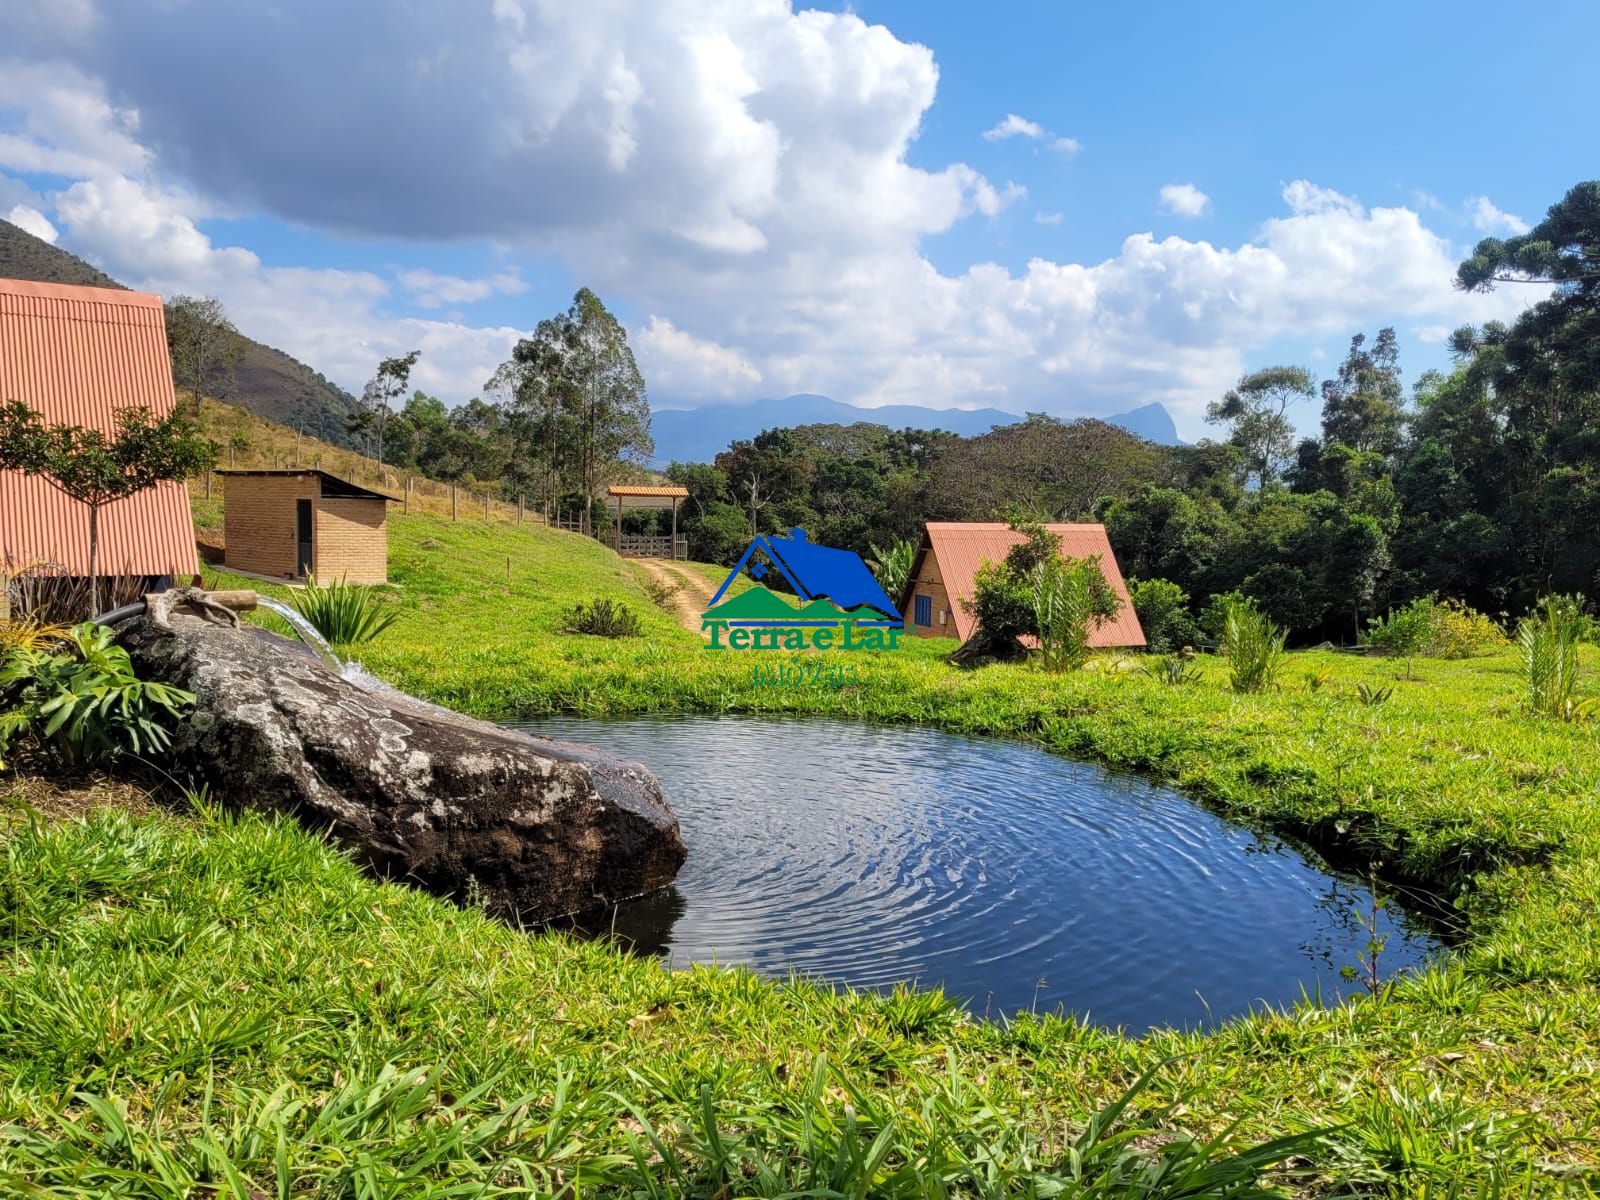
352	541
929	582
258	520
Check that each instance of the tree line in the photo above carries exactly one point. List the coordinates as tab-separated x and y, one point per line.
567	412
1480	483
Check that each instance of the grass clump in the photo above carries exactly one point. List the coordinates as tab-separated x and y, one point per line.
603	617
1252	644
345	614
1548	640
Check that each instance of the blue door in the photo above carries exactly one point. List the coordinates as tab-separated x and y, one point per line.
924	613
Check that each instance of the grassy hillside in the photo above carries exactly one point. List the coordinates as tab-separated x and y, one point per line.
268	444
267	381
189	997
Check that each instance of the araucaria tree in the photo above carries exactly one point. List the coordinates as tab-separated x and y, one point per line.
205	347
96	470
386	386
578	396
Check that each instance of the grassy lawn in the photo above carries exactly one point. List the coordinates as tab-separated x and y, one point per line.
199	994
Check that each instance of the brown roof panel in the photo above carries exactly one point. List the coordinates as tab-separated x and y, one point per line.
77	355
961	547
628	489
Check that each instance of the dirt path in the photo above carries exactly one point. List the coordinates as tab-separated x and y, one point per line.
692	594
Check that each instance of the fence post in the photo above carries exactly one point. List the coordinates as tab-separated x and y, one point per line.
452	502
208	483
519	508
485	504
405	508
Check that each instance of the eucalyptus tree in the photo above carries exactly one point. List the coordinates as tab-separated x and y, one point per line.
387	385
1256	413
578	396
204	345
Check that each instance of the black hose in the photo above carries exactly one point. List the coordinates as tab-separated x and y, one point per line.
120	614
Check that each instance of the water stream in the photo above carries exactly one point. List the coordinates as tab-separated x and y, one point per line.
1014	878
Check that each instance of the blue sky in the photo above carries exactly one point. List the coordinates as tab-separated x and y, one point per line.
1068	208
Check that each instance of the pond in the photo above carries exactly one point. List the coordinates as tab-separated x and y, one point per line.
1013	878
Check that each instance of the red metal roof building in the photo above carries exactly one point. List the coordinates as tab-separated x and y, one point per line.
947	563
78	355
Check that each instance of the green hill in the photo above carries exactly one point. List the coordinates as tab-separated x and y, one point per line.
267	381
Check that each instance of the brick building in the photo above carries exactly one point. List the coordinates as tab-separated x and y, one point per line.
294	523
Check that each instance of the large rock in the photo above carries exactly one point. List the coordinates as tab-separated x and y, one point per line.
538	828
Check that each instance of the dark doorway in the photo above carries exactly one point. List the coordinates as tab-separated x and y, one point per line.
302	537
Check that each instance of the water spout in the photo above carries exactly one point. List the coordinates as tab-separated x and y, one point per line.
307	633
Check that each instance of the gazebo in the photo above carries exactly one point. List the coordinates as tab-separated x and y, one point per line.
629	495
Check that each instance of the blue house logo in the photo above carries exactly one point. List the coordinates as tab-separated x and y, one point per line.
841	607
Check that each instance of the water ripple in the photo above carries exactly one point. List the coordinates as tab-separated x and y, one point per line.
1014	878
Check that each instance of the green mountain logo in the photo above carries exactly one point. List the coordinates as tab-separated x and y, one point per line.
757	604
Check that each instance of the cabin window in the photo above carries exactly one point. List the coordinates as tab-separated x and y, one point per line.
924	614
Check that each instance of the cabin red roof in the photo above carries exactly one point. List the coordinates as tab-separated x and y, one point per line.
961	547
78	355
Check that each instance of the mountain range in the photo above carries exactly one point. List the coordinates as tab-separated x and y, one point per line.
698	434
267	381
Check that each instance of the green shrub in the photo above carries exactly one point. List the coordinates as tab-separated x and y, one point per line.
603	618
346	614
1003	593
1548	638
1403	632
1214	619
1252	644
1071	599
1429	628
1463	632
78	702
1163	611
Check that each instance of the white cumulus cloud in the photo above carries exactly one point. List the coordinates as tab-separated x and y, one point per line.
686	365
433	290
31	220
736	169
1184	200
1486	218
1013	126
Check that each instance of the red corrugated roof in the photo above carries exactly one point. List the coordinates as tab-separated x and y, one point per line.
77	355
961	547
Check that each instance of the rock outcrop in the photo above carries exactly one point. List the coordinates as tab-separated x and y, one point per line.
537	828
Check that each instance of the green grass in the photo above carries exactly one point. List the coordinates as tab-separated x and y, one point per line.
226	980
